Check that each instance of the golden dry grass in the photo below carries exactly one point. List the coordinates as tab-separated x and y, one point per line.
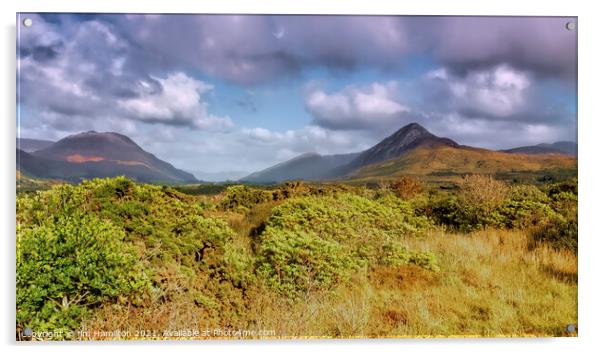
491	284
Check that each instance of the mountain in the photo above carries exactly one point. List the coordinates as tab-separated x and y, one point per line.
31	145
414	150
559	147
92	154
313	166
449	160
407	138
309	166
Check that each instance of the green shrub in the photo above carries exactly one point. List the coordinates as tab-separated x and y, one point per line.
523	206
314	241
459	216
69	264
302	261
525	192
395	254
185	252
475	204
241	197
558	233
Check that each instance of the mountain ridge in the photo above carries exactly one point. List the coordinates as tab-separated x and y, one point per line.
409	141
31	145
307	166
92	154
558	147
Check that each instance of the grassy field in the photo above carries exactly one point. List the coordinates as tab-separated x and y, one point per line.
491	284
406	259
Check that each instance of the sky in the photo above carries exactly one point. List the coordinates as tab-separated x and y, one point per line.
225	95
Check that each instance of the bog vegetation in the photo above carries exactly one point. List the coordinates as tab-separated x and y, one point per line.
403	258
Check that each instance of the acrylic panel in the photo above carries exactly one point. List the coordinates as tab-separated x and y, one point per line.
190	176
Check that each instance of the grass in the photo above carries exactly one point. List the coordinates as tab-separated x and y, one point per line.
492	283
323	261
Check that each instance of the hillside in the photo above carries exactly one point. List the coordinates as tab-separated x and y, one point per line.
414	150
462	160
310	166
406	139
313	166
92	154
559	147
31	145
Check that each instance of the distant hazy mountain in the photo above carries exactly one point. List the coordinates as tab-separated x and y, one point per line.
407	138
92	154
310	166
219	176
560	147
31	145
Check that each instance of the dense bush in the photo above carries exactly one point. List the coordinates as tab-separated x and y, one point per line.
241	197
67	265
311	242
185	253
563	198
522	206
558	233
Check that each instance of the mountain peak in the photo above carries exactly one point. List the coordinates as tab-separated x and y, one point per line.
409	133
414	125
405	139
101	154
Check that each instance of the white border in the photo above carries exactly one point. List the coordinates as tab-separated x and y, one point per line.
590	148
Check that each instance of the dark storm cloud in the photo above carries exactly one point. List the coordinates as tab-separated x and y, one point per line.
541	45
42	53
253	49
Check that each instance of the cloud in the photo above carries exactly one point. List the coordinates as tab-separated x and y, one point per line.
356	107
498	134
540	45
311	138
89	78
179	102
499	93
256	49
261	48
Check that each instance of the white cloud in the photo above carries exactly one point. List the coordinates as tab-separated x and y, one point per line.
178	101
501	92
498	134
311	138
356	107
